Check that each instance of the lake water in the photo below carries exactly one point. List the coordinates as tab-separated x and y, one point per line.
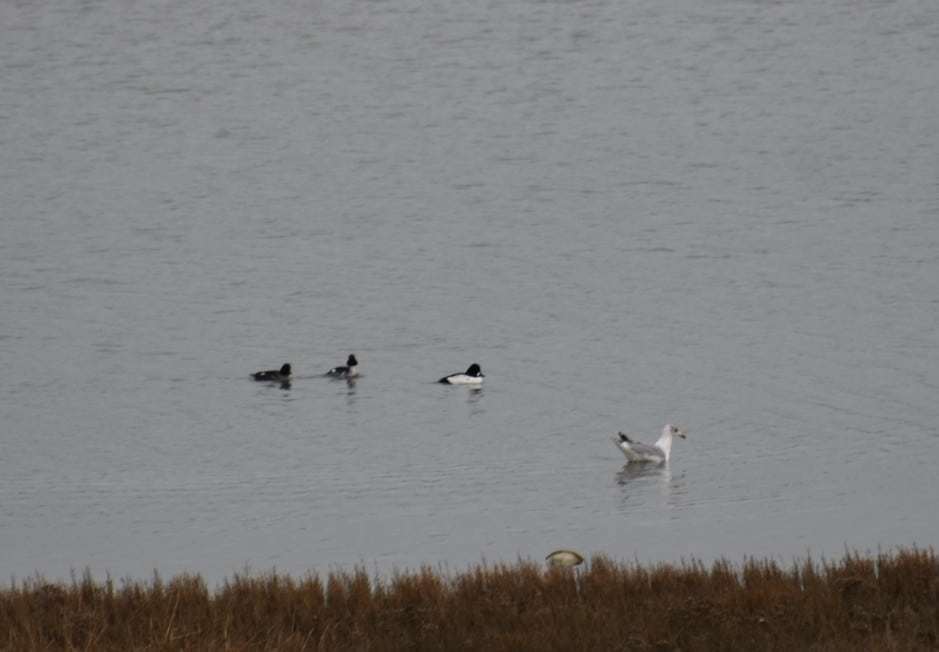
722	214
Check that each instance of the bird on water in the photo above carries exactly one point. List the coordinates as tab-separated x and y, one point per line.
657	453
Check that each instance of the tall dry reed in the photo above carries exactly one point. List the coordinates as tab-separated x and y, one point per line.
883	602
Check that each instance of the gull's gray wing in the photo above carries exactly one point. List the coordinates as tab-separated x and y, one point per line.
637	452
647	451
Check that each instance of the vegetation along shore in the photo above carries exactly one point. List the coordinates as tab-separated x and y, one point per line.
888	601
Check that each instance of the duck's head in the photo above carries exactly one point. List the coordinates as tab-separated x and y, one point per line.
285	370
351	361
474	371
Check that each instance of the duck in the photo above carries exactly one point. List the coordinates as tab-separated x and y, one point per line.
273	375
657	453
350	370
472	376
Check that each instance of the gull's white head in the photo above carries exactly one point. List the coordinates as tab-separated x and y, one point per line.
676	431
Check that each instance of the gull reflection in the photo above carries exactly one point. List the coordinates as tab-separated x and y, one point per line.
633	473
641	481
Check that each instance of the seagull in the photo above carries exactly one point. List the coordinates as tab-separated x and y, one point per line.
657	453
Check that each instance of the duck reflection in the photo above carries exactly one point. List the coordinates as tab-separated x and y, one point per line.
474	401
350	394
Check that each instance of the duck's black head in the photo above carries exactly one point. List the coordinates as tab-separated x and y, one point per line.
474	371
285	370
351	361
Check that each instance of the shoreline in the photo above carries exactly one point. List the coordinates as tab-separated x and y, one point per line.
875	601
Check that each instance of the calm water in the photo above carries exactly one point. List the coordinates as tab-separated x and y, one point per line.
723	214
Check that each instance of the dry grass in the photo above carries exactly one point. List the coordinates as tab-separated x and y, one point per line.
887	602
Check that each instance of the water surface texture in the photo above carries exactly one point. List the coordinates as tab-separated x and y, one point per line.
723	214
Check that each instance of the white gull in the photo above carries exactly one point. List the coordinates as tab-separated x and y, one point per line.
659	452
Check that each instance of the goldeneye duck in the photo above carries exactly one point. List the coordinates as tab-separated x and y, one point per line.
350	370
472	376
273	375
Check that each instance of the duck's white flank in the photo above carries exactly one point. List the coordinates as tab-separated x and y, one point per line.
463	379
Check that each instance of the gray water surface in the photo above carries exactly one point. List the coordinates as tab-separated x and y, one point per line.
722	214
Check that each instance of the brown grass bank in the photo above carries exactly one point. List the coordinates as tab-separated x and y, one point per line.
883	602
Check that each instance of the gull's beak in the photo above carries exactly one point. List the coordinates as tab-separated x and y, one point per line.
682	432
